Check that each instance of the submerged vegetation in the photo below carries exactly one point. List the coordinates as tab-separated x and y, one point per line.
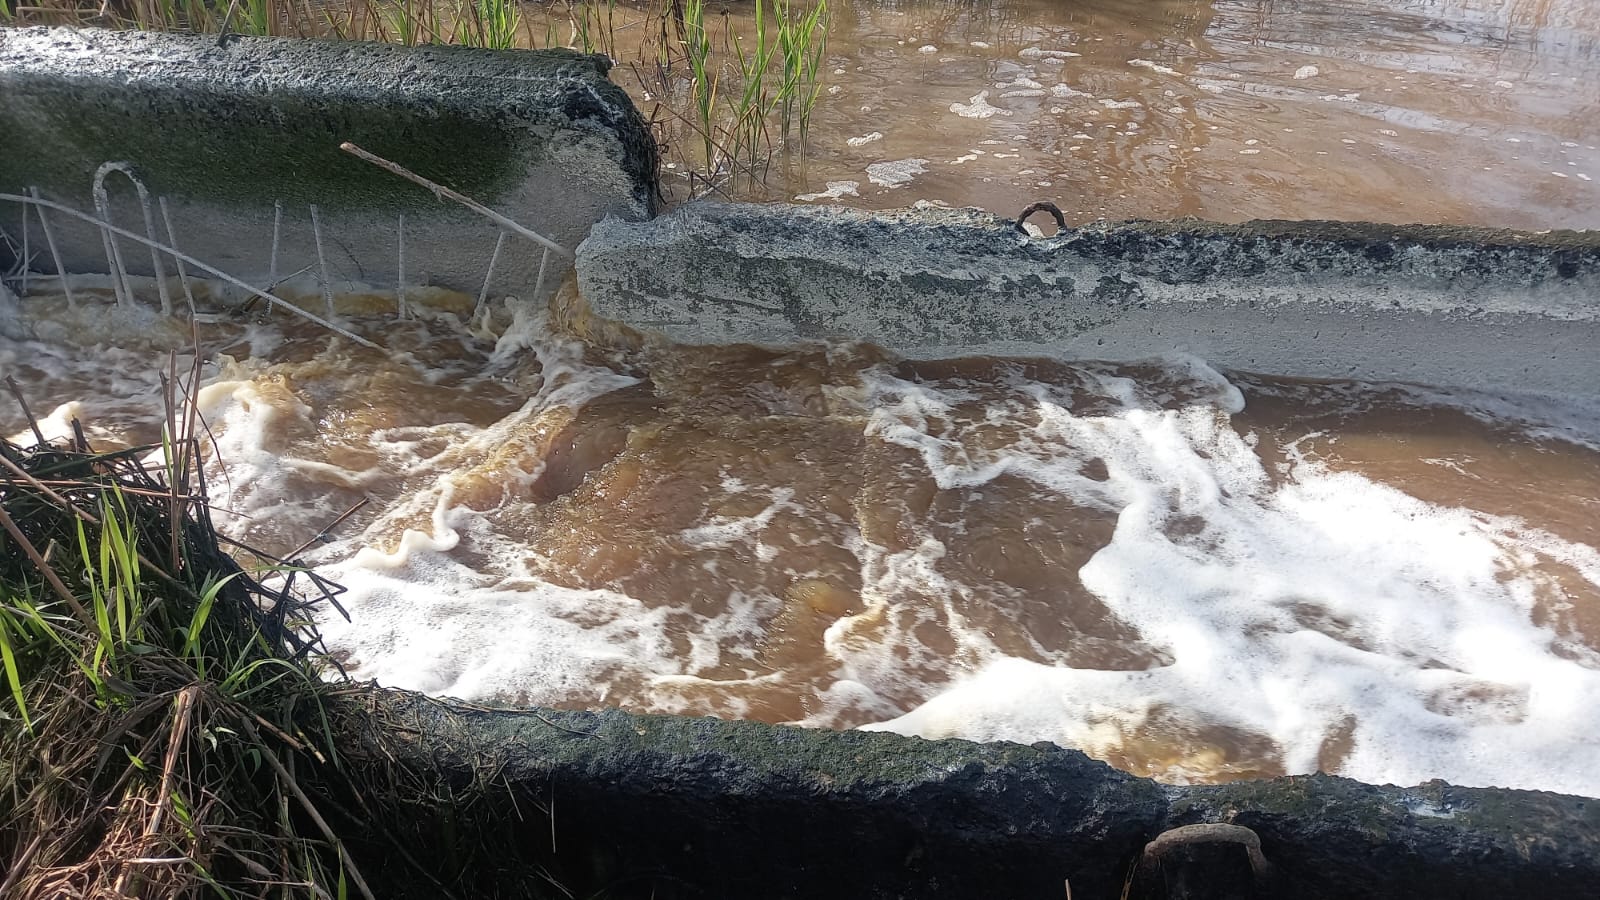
727	95
164	729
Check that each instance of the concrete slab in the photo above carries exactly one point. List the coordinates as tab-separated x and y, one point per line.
702	808
242	138
1441	305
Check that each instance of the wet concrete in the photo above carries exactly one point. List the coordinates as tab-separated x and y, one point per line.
676	807
1441	305
243	134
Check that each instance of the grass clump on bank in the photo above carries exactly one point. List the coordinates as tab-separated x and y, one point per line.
160	707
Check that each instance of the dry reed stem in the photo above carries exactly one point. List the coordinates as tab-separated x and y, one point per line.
293	787
441	191
45	569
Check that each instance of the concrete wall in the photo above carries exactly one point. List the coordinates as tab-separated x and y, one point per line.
229	133
620	805
1452	306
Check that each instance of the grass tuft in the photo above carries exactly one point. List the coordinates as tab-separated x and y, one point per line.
162	706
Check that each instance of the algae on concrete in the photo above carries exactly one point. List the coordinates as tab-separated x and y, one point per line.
701	807
242	139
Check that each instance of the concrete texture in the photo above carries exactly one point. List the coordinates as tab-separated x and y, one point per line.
663	806
1451	306
230	133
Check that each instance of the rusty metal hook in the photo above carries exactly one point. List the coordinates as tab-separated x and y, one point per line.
1041	206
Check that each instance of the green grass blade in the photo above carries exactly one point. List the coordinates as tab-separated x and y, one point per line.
10	629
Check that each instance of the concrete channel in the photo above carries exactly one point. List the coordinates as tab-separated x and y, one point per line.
1439	305
239	136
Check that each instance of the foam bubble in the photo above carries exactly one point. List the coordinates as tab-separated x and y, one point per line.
1152	66
978	107
896	173
833	190
1309	608
1039	53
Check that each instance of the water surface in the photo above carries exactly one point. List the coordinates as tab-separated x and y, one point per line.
1459	111
1194	574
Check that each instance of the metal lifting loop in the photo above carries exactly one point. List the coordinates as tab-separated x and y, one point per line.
1041	206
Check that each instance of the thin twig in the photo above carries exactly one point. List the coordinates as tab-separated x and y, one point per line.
183	710
172	239
322	263
27	255
400	286
211	270
21	866
277	231
33	423
327	528
488	275
441	191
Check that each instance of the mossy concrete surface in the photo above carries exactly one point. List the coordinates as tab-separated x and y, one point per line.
664	806
1442	305
241	132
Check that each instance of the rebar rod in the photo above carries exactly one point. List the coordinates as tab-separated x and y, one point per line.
204	267
103	200
322	263
172	239
55	254
488	275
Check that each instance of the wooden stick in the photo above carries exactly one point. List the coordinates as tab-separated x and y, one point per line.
441	191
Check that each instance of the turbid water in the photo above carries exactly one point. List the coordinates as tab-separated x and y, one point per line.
1194	574
1458	111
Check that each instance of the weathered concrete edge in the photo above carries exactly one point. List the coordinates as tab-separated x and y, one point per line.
1445	305
224	131
737	809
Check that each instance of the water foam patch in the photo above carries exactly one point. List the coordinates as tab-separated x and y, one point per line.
1352	626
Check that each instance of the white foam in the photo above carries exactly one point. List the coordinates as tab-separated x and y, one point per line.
1021	82
1304	598
896	173
1039	53
1152	66
834	190
978	107
865	139
1432	650
432	624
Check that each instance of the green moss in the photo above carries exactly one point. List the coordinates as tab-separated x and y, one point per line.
254	149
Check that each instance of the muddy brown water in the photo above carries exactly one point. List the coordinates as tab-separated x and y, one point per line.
1459	111
1194	574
